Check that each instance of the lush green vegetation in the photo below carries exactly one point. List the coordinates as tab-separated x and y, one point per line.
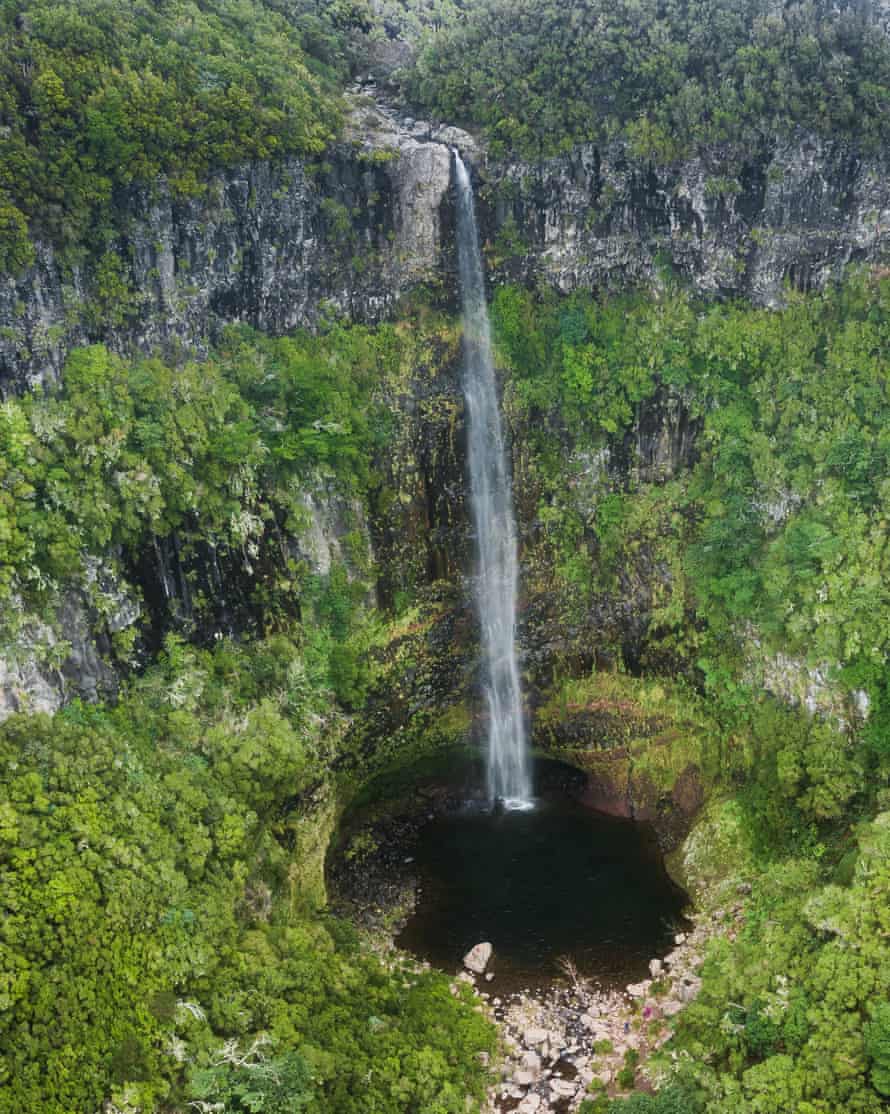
409	19
214	453
774	541
160	942
793	1013
161	860
667	75
805	1030
100	94
781	523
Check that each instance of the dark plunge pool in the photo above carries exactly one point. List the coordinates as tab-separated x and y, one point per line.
557	882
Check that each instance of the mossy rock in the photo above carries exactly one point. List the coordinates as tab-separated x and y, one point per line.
642	745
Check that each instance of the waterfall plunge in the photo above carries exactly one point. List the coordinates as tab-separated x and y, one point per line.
491	501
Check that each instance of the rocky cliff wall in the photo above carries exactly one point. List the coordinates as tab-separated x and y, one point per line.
279	245
274	245
798	213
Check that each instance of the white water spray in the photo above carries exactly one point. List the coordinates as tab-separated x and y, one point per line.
491	501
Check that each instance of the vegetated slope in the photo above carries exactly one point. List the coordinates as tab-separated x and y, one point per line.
770	539
667	75
160	860
101	93
152	854
160	946
781	521
216	453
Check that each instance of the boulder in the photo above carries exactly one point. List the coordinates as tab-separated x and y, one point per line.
564	1088
534	1036
477	958
655	968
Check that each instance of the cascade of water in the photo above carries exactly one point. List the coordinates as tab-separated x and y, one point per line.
491	501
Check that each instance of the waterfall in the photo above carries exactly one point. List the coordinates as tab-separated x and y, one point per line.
491	502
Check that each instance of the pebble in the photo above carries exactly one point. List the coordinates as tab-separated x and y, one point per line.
531	1061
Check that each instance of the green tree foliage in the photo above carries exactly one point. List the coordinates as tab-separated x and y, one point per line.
673	1099
666	76
781	524
782	1021
408	19
141	960
776	530
219	451
877	1045
100	94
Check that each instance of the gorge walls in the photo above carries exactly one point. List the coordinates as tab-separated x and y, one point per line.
798	213
280	245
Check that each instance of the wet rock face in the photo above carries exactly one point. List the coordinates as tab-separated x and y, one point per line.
273	245
51	663
661	443
279	245
798	212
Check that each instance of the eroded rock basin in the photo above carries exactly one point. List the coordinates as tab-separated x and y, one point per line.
549	886
555	886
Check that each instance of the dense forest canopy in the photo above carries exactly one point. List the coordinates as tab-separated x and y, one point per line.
164	941
140	849
102	93
667	75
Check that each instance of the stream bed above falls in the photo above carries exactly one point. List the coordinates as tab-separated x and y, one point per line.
559	882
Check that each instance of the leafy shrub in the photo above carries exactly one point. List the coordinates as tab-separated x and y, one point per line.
877	1045
675	1098
136	966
